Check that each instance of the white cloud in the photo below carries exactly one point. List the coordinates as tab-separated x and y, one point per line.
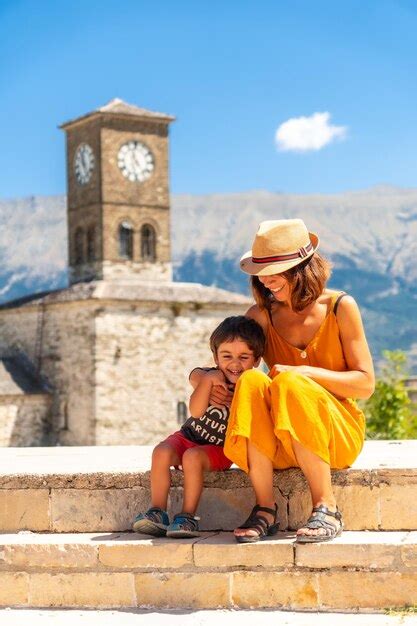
301	134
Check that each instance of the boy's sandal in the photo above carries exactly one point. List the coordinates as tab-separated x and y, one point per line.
318	520
154	521
184	525
260	524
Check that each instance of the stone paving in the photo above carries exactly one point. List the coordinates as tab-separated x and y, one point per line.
83	498
132	459
87	489
359	570
199	618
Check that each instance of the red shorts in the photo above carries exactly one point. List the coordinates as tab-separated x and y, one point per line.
218	460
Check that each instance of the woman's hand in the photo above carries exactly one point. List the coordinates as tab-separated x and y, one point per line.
276	369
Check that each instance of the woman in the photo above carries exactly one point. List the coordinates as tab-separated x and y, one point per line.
302	414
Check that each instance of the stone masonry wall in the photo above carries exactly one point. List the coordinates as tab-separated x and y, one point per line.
137	217
59	340
67	360
131	270
116	189
109	199
118	370
24	420
143	358
18	331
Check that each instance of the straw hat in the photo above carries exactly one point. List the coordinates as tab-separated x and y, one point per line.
278	246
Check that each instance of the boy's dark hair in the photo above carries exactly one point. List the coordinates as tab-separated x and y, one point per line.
239	327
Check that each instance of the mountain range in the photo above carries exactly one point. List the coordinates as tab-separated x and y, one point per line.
369	235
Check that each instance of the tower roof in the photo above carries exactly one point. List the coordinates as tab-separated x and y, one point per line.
119	108
136	291
16	379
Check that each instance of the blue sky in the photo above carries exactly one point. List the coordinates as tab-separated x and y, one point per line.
232	72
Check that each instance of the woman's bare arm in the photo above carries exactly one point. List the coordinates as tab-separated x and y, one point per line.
359	379
259	315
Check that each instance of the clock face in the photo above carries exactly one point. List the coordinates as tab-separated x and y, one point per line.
83	163
135	161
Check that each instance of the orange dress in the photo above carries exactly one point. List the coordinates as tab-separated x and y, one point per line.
269	412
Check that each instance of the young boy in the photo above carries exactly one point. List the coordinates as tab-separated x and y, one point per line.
237	345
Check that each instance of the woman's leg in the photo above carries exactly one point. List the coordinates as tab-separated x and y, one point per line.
314	432
318	476
261	476
250	439
250	419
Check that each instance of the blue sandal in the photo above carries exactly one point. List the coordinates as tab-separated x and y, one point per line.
154	521
184	525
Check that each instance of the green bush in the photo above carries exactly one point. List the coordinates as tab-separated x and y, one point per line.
390	414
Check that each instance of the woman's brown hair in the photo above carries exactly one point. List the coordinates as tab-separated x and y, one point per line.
307	281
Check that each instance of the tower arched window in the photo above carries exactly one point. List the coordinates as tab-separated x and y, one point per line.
91	244
79	246
126	240
148	243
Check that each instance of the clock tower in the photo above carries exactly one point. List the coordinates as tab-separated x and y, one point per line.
118	194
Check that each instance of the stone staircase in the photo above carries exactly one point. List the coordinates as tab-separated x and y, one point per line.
64	513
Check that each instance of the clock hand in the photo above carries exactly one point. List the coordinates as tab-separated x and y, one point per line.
136	160
84	162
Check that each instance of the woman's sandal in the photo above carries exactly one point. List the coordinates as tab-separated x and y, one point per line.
319	521
260	524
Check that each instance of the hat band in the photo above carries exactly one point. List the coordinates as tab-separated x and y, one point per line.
301	253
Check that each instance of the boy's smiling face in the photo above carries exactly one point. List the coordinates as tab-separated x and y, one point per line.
234	357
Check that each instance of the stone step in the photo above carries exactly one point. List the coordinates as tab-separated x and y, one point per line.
100	489
220	617
358	571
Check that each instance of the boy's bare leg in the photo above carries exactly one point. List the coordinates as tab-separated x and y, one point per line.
163	457
194	463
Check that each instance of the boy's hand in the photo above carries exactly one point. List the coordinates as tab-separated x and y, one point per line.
216	377
210	388
220	396
220	393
